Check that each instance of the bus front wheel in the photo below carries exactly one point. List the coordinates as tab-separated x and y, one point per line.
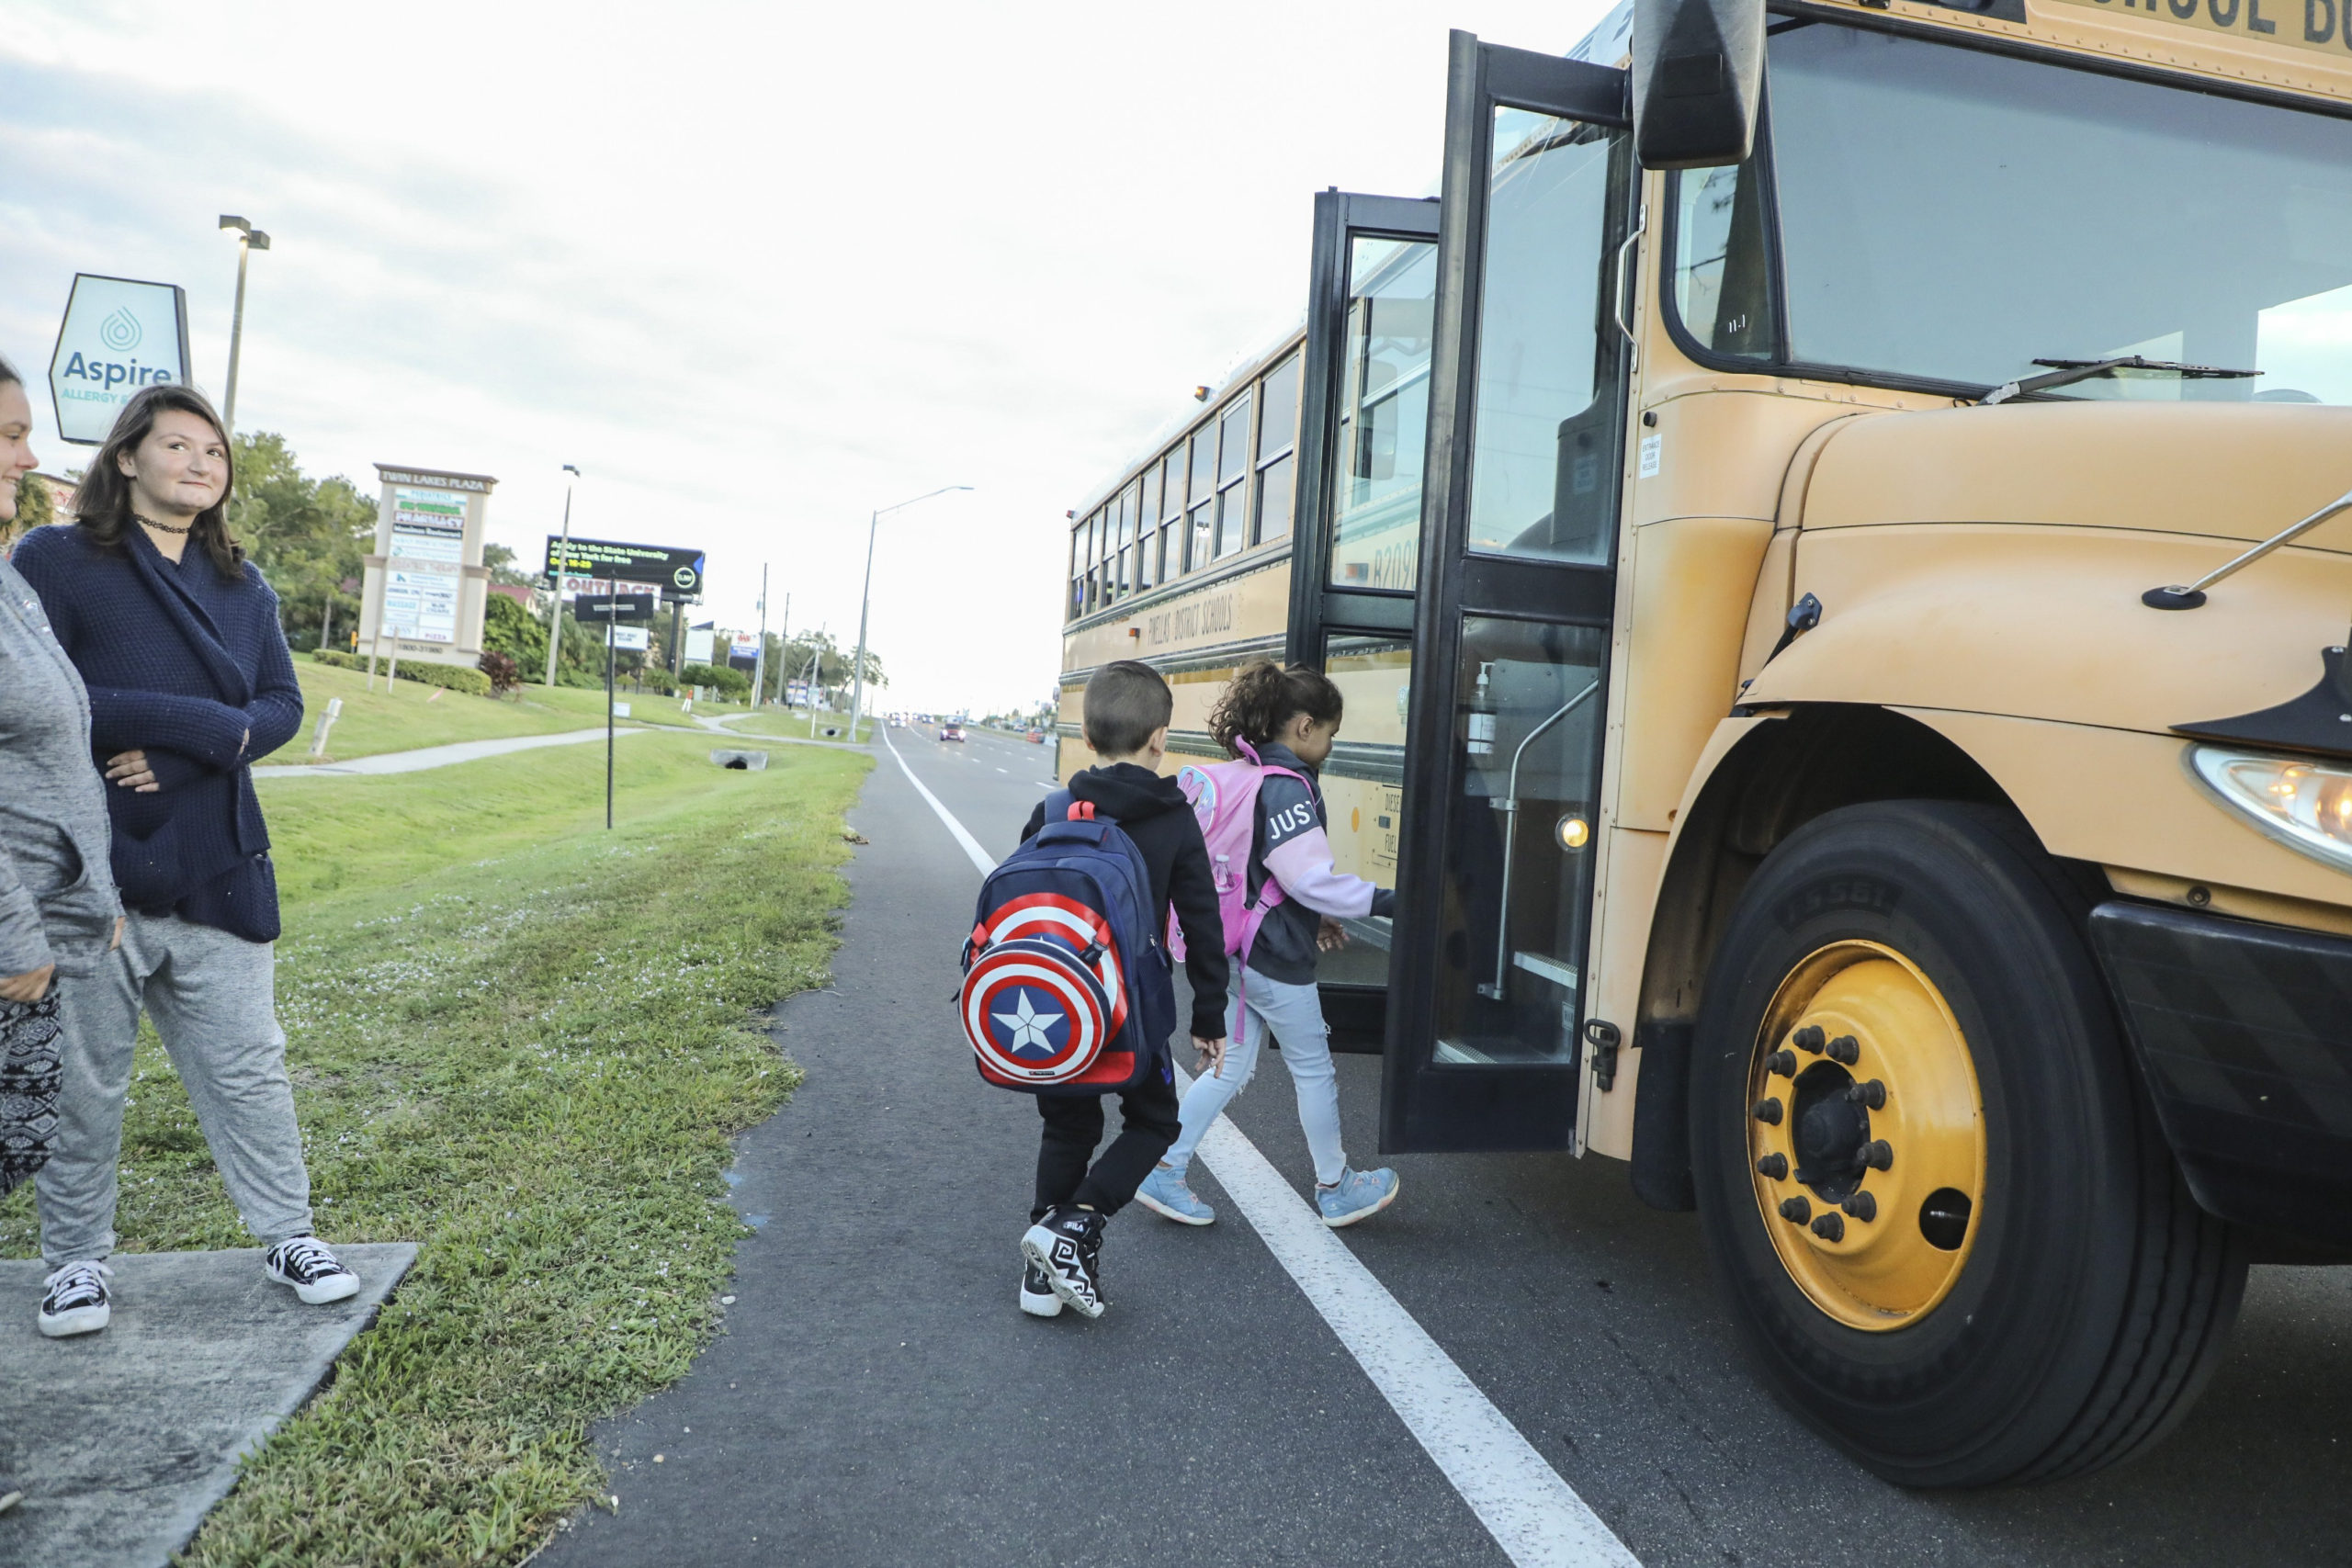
1931	1190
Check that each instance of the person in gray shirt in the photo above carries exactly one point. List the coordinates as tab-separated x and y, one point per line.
59	913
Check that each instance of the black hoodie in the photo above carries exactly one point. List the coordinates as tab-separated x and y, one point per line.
1153	812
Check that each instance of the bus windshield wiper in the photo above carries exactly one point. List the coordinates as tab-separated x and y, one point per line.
2066	372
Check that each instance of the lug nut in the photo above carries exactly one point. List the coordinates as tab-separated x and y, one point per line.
1773	1166
1809	1039
1872	1094
1768	1113
1862	1206
1877	1156
1830	1227
1844	1051
1782	1063
1795	1209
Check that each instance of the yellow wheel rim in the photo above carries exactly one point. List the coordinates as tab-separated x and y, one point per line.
1866	1136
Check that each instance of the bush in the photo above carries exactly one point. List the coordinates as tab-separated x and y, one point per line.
653	677
510	629
450	677
727	683
504	673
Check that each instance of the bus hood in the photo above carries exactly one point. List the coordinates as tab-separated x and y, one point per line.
1992	559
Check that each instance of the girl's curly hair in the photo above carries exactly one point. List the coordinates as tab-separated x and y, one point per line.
1262	697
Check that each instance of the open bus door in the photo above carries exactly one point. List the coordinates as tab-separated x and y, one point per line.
1363	429
1529	372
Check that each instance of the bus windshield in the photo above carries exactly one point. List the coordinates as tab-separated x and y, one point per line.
1955	214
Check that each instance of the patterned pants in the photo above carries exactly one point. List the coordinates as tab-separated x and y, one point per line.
30	1070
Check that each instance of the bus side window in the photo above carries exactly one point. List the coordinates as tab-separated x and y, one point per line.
1200	551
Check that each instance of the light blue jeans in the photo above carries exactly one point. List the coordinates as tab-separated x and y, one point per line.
1294	1016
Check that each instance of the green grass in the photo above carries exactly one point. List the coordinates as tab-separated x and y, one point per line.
774	721
523	1043
402	716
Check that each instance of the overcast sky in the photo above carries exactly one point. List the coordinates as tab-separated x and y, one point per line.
755	268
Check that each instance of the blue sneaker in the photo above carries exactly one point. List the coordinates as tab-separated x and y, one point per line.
1358	1195
1165	1194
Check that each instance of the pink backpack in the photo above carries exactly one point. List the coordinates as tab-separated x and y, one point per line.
1224	799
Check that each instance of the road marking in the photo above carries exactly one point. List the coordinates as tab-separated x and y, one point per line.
1004	769
978	856
1536	1517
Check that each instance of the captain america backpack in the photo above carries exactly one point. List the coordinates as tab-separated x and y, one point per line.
1066	985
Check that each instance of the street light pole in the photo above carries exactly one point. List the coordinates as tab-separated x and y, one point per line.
249	240
562	559
865	600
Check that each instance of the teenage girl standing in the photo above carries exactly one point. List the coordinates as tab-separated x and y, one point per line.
177	636
1289	717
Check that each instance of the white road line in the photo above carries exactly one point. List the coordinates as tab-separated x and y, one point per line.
978	856
1004	769
1536	1517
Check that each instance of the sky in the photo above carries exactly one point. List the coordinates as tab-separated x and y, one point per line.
756	269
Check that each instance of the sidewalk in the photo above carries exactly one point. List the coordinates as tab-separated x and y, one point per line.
123	1439
425	757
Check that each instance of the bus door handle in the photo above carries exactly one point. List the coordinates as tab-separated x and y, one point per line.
1617	298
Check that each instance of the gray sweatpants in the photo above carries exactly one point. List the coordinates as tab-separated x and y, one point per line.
212	997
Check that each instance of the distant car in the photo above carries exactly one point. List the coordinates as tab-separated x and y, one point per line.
1038	738
951	732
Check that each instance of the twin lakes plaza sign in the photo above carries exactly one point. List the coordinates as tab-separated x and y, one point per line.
119	335
427	589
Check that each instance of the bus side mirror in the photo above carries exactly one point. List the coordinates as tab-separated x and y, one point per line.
1698	79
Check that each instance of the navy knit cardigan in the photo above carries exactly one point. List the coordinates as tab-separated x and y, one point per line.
191	666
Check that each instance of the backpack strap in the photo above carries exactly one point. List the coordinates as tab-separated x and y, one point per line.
1063	806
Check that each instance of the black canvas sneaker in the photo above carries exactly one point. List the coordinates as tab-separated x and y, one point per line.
1037	1298
76	1302
1066	1245
316	1274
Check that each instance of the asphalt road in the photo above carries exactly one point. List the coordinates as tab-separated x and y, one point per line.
876	1397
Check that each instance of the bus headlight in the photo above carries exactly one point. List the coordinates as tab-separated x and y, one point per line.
2304	802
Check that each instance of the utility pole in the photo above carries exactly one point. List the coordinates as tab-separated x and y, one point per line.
249	240
760	648
612	620
562	559
783	656
816	668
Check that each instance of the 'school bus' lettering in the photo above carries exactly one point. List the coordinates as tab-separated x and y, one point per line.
2305	24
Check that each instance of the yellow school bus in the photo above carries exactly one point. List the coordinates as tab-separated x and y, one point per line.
1832	529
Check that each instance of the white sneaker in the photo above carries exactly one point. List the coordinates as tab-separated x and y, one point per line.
76	1302
1037	1298
316	1274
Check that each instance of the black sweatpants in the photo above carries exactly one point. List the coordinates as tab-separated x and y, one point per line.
1147	1126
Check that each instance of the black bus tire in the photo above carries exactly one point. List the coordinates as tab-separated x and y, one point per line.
2093	1296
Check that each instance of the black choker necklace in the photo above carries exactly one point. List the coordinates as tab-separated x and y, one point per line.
161	527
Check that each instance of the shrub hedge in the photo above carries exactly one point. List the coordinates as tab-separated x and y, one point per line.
472	683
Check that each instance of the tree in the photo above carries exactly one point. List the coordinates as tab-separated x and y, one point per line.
831	665
306	534
500	562
510	629
35	508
